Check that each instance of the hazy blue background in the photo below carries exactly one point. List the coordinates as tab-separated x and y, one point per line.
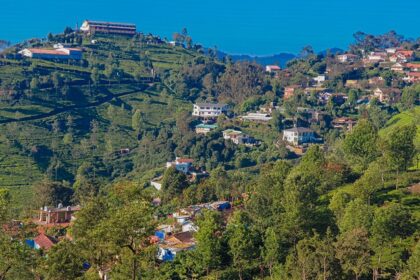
236	26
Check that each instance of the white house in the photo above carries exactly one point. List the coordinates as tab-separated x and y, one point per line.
189	226
230	134
397	67
183	165
391	50
377	57
239	138
347	57
60	53
209	110
319	80
272	68
298	135
387	94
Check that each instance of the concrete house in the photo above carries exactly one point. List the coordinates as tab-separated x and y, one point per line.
397	67
204	128
58	215
387	95
56	54
272	68
347	57
298	135
209	110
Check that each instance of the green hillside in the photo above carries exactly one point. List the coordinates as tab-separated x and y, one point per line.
405	118
48	108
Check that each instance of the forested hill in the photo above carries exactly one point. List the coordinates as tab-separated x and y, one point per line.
308	172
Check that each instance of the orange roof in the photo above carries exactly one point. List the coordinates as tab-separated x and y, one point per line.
44	51
405	52
414	74
44	241
274	67
412	65
184	160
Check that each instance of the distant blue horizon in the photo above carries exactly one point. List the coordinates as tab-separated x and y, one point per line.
234	26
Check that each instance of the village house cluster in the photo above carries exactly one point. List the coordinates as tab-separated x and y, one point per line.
47	218
179	235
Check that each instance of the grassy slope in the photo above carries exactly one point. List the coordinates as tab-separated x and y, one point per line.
404	118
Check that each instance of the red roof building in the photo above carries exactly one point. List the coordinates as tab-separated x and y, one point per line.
56	54
415	67
290	91
44	242
414	77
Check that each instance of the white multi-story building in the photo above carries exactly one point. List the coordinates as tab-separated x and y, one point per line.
209	110
298	135
103	27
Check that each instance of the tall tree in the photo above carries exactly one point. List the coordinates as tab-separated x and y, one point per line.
130	228
241	241
64	262
399	147
392	223
357	214
352	249
209	243
271	250
50	193
413	264
360	145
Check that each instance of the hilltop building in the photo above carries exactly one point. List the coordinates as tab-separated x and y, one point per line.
103	27
59	54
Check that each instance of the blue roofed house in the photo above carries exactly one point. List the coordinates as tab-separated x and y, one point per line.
183	165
